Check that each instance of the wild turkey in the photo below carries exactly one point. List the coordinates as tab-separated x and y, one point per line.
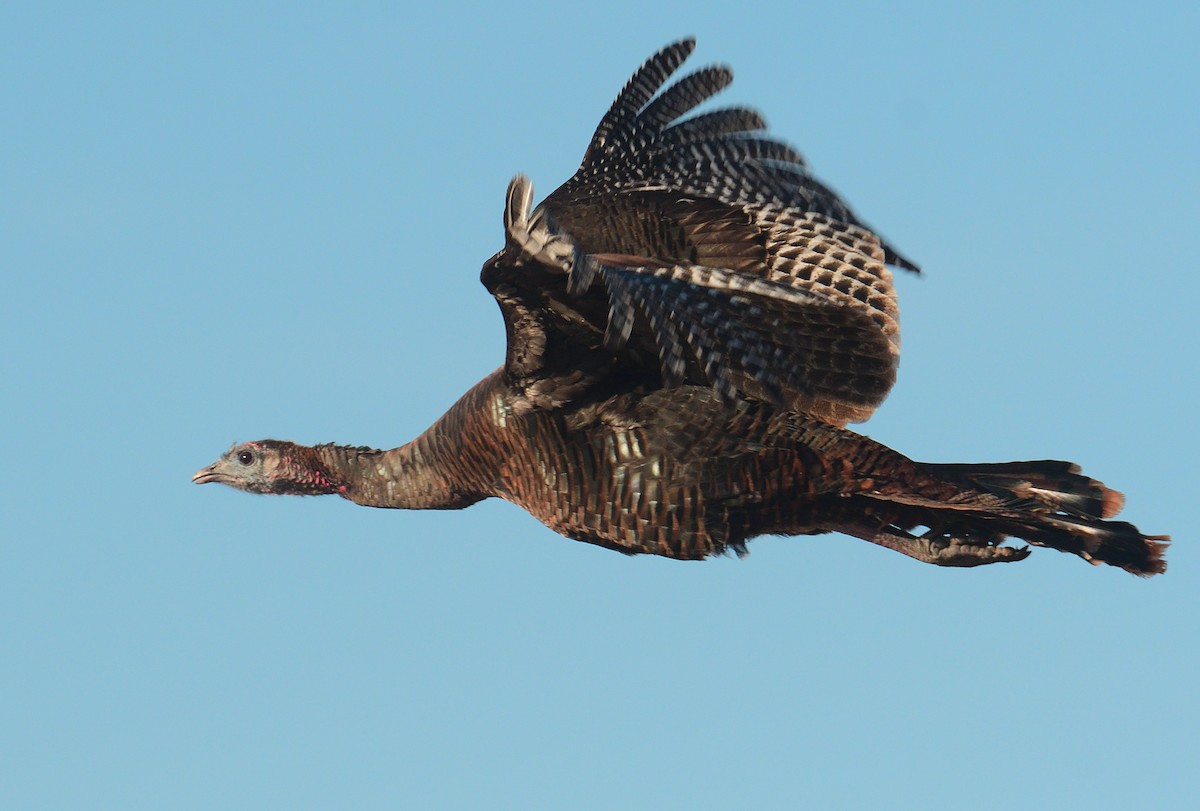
692	319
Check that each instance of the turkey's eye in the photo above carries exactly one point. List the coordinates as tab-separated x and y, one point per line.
245	457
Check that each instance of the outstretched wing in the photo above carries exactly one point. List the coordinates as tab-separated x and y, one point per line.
720	261
723	155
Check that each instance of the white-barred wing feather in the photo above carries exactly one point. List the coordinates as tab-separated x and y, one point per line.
715	198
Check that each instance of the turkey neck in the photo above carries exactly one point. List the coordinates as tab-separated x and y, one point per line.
436	471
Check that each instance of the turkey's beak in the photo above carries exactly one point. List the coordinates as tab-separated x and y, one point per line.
206	474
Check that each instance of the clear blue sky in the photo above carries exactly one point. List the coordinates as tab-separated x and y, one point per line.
242	221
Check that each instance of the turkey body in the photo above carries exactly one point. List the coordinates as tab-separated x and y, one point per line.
691	321
677	472
672	472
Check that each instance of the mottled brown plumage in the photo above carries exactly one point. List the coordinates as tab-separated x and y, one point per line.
691	321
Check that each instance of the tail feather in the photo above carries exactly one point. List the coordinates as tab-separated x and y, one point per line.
1046	503
1055	484
1117	543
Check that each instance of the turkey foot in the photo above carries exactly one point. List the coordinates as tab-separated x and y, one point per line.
940	551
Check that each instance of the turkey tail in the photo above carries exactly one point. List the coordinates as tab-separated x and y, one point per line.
1117	543
1054	484
1050	503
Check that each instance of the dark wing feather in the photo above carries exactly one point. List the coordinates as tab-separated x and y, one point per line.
639	145
614	131
749	335
723	262
710	125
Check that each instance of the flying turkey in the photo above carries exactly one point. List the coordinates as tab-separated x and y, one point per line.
692	319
